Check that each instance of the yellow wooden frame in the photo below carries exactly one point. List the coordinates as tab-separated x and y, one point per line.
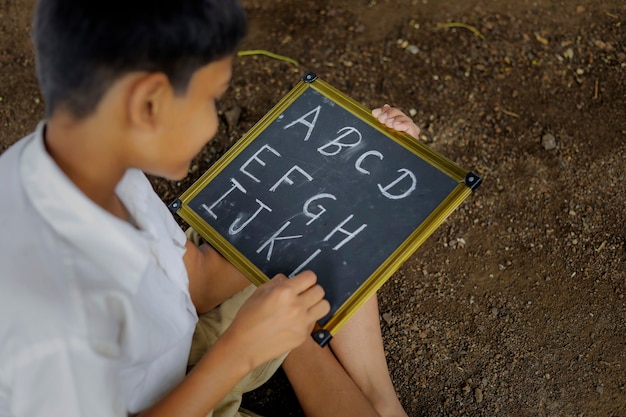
393	262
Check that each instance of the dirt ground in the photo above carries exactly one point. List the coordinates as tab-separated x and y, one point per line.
515	306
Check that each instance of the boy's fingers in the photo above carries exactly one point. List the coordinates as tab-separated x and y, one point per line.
303	281
381	111
312	295
319	310
401	125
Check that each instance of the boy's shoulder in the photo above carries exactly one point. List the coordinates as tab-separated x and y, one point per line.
11	189
19	221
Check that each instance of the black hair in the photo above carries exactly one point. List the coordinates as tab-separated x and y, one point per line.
83	46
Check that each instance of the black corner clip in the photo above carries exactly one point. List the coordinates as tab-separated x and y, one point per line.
473	181
309	77
322	337
175	206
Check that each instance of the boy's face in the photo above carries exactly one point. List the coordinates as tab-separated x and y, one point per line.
189	121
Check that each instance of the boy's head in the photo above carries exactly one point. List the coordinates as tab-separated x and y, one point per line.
84	46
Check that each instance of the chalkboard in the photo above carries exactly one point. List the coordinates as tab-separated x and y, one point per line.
320	184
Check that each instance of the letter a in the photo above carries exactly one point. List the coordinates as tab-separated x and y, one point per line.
303	120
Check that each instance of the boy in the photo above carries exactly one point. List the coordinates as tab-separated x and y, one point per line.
101	290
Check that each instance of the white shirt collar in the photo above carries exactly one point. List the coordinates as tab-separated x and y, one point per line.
114	245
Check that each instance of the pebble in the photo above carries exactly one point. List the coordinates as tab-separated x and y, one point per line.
232	116
601	44
548	141
413	49
478	394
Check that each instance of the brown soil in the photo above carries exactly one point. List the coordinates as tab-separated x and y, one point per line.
515	306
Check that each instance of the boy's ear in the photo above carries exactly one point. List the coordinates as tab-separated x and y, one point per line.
148	99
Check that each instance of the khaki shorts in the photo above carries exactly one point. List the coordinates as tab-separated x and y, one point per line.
208	329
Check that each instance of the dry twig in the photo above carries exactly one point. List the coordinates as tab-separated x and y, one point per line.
269	54
462	25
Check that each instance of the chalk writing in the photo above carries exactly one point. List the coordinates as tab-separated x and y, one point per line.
236	185
270	242
347	137
359	161
405	173
307	207
337	145
234	229
287	180
304	121
350	235
255	158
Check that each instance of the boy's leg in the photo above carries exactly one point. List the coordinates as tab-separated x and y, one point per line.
353	378
359	348
210	287
322	386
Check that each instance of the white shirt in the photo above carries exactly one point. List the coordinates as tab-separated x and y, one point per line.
95	316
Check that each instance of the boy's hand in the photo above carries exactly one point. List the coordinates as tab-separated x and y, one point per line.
278	317
395	119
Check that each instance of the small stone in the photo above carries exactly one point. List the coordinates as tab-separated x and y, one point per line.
548	141
413	49
541	39
232	116
569	53
412	112
388	318
478	395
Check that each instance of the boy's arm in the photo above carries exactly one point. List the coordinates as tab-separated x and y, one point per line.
277	318
212	279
